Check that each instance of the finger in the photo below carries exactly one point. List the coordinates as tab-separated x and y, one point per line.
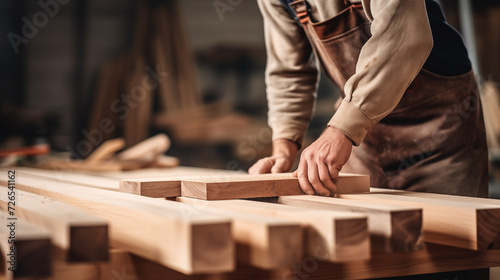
262	166
281	165
302	176
326	179
314	180
334	172
294	173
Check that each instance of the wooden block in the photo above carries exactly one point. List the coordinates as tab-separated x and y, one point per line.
84	237
152	187
163	231
392	228
30	255
168	182
240	186
264	242
330	235
264	185
464	224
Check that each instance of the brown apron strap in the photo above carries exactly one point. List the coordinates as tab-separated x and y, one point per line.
302	10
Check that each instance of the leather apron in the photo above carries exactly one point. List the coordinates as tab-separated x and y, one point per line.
433	141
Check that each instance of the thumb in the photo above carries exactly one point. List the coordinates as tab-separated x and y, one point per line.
281	165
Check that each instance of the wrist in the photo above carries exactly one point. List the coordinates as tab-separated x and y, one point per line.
285	147
339	133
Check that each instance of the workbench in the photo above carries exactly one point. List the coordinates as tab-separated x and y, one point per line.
123	264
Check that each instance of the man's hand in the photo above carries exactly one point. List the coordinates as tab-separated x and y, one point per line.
282	159
321	162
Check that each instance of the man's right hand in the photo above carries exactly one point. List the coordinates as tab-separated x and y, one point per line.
282	159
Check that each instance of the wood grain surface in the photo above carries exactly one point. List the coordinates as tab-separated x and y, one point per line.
392	228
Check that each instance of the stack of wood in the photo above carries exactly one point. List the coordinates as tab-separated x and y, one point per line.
67	221
158	70
109	157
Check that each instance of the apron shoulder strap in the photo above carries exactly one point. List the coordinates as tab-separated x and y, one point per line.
286	4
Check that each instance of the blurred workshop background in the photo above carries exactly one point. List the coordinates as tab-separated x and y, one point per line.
74	73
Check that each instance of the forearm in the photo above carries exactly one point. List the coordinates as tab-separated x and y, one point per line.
389	61
291	73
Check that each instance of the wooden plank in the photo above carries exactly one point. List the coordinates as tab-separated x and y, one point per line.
163	182
242	186
163	161
69	226
163	231
146	150
263	185
167	173
392	228
94	181
79	165
106	150
446	197
469	225
330	235
152	187
25	247
264	242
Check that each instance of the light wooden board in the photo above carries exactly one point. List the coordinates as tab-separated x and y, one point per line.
392	228
84	237
152	187
106	150
30	253
163	231
80	165
148	149
464	224
165	183
444	197
330	235
263	185
264	242
94	181
167	173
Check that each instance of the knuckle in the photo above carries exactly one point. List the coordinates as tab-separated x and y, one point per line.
323	192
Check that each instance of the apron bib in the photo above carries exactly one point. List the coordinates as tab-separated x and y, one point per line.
433	141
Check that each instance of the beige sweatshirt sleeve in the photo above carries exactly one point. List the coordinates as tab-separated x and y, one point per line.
291	73
389	61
